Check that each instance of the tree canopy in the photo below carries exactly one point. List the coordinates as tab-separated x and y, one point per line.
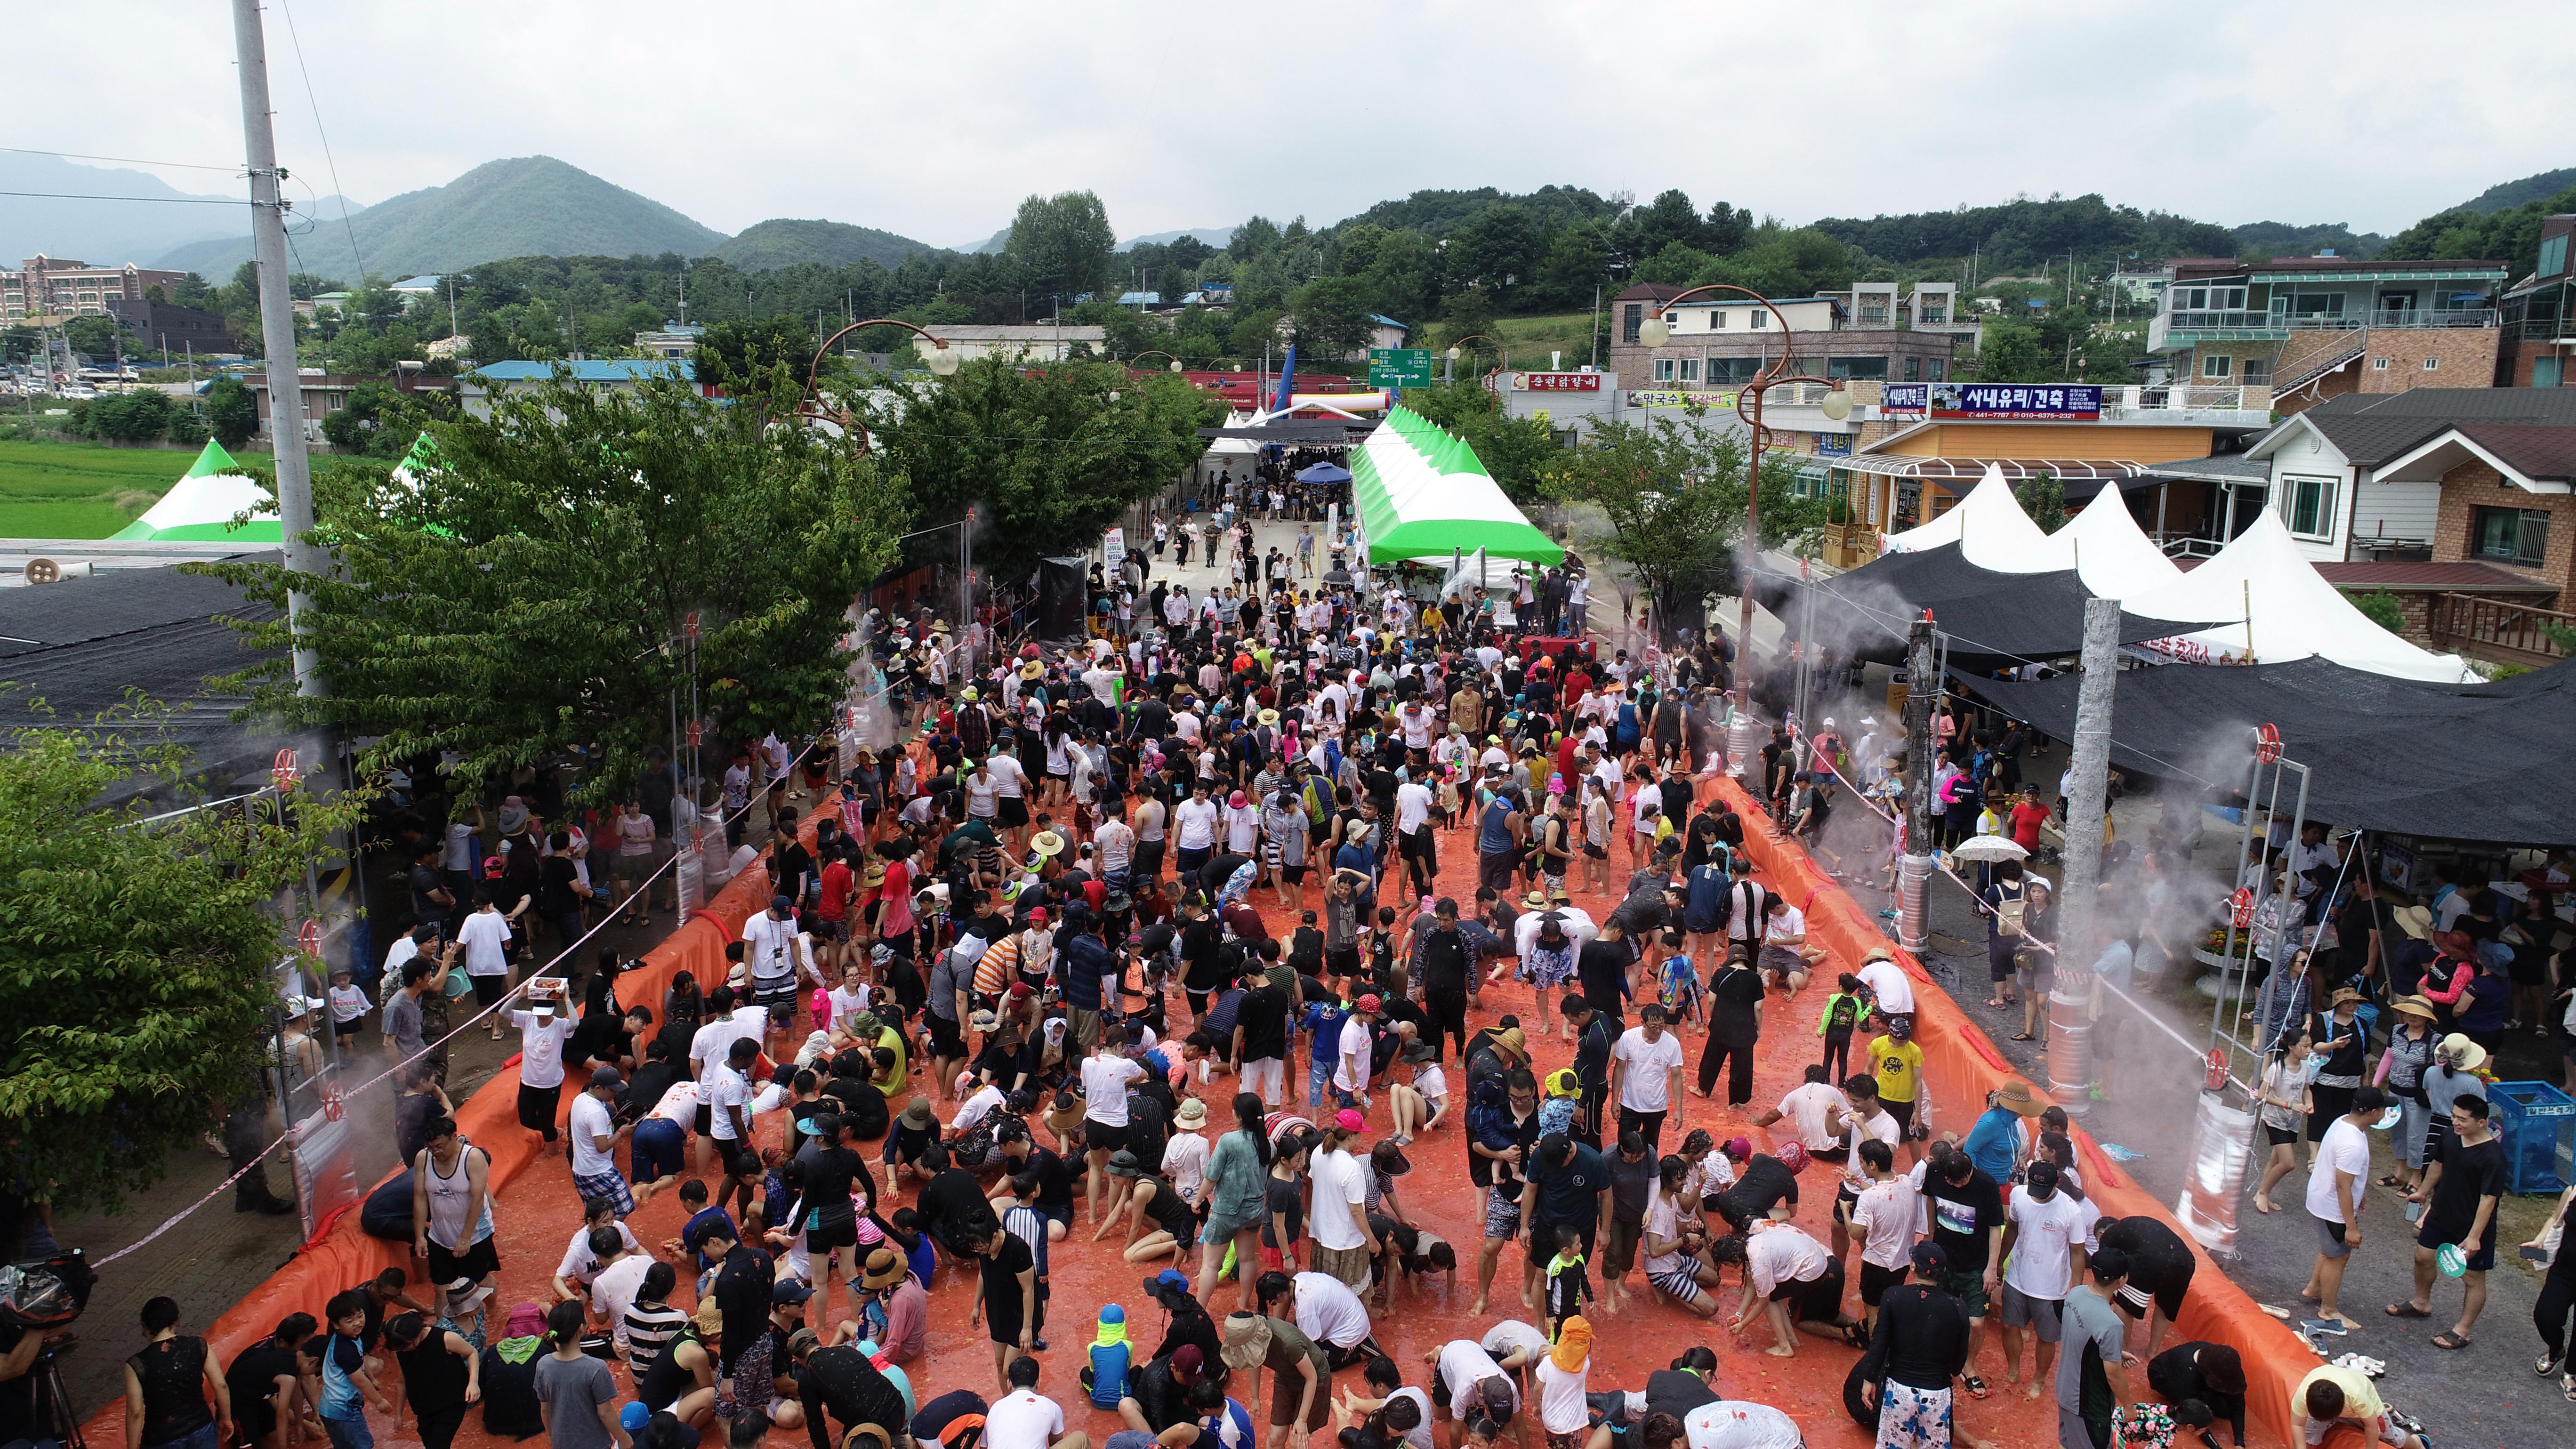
135	958
517	605
1061	244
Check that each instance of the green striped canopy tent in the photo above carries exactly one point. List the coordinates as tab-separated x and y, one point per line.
201	506
1423	495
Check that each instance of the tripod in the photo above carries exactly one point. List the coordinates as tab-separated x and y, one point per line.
49	1368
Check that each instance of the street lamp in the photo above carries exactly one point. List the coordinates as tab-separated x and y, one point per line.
1157	352
1836	405
1449	359
935	354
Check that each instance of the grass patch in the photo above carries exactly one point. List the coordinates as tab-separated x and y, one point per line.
1530	339
80	490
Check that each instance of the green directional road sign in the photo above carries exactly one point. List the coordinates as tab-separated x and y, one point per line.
1399	367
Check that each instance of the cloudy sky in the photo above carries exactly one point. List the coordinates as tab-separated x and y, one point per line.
934	120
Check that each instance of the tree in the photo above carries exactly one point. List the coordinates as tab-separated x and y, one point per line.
1497	250
1255	332
186	428
1570	268
1781	263
2044	499
1046	458
2011	353
128	417
1673	491
516	606
2380	607
1669	220
135	959
1679	264
231	412
1404	276
91	336
1469	312
1257	237
1062	244
744	352
1332	318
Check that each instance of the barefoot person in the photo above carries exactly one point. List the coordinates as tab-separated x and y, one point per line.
2336	1191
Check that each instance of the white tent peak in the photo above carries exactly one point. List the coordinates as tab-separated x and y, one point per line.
2287	611
1989	526
2113	556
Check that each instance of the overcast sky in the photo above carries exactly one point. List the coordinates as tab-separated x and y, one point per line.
935	120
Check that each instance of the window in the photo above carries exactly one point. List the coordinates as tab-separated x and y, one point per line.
2546	371
1690	369
2432	364
2553	255
2310	505
2257	371
1635	318
1733	370
1914	369
1717	319
2217	364
1940	365
2517	536
1761	317
1663	369
1858	369
2379	364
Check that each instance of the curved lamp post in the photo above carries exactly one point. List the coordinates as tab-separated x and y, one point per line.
1836	404
1449	359
935	355
1157	352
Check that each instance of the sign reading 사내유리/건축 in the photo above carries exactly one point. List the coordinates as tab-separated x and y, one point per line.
2059	402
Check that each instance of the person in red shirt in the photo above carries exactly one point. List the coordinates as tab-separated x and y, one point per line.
838	886
2027	816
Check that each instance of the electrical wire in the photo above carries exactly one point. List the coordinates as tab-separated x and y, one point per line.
314	103
128	160
90	196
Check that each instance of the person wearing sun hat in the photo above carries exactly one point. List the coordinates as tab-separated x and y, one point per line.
2412	1038
1564	1413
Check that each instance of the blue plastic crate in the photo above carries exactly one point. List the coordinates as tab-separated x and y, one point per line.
2537	1124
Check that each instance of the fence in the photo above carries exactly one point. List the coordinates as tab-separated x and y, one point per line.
2500	630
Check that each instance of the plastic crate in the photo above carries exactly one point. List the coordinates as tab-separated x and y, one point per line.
2537	1124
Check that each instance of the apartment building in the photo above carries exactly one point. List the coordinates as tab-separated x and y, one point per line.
1721	340
44	286
2311	328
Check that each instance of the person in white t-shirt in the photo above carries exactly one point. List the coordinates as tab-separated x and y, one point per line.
594	1130
1471	1390
1886	1214
1026	1419
542	1033
485	937
1105	1075
613	1290
1887	982
2043	1236
1563	1411
581	1263
1647	1062
1797	1283
2336	1188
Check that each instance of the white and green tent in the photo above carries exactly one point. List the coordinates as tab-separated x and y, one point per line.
201	506
1422	494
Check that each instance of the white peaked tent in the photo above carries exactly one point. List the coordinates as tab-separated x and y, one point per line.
1988	525
2288	611
202	505
2113	556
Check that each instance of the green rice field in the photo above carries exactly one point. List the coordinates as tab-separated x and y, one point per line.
80	490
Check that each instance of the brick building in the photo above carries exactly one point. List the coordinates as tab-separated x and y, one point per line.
1718	340
60	287
2312	328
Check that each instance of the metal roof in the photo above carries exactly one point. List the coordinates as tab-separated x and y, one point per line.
1942	470
2371	428
622	369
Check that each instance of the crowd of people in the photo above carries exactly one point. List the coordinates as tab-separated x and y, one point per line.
1019	995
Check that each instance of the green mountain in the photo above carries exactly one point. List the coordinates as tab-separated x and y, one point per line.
522	207
2520	193
2019	236
787	242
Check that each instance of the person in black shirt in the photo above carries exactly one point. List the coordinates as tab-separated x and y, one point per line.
560	891
2209	1373
1188	1324
951	1203
1735	999
1444	962
1005	1285
262	1379
741	1289
1919	1345
1601	970
604	1038
1261	1040
954	1420
842	1383
1021	1154
1684	1386
2160	1270
1966	1210
2464	1181
862	1103
1765	1183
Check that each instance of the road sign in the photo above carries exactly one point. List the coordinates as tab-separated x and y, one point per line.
1399	367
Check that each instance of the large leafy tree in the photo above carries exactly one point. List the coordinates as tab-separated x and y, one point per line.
1332	318
1046	456
135	959
231	412
518	603
743	351
1062	244
1497	250
1672	491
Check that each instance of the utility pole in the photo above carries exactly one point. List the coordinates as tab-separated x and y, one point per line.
2079	933
1914	867
277	329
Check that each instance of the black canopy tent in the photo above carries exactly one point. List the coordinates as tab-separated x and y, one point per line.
2469	762
1993	620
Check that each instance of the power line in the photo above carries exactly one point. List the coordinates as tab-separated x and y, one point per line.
91	196
128	160
315	104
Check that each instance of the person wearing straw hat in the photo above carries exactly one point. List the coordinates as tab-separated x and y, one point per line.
2343	1040
2412	1039
2453	1075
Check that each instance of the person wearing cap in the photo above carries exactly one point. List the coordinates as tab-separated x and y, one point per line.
1472	1393
2001	1138
1151	1195
543	1029
1897	1063
2338	1187
839	1383
595	1132
2092	1379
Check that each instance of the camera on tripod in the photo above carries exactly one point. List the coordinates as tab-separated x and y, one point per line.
46	1293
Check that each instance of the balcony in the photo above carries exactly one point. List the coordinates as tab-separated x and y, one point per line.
2499	631
2542	329
2183	328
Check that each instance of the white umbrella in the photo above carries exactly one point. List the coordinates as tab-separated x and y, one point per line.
1989	847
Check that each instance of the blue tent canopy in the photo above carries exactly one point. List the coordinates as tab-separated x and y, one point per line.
1324	473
